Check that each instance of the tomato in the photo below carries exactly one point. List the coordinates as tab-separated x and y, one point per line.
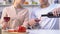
21	29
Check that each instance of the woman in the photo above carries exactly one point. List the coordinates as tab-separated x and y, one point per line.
18	15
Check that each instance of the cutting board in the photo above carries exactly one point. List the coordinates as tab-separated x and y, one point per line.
14	32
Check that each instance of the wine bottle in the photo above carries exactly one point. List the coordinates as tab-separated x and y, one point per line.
50	15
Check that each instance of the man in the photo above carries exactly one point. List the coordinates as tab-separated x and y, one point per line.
57	1
18	15
39	22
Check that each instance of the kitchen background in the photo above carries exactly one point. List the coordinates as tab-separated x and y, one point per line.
4	3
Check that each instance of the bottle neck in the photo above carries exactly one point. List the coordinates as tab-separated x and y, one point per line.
50	15
44	15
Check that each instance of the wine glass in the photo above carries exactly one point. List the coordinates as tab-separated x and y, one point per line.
37	20
6	19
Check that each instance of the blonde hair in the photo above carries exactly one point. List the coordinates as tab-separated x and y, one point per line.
13	2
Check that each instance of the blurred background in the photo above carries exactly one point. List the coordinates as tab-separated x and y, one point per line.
28	4
5	3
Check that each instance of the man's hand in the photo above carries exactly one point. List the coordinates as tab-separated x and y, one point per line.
33	21
56	11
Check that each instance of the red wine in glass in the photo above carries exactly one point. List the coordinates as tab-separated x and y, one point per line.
37	20
6	19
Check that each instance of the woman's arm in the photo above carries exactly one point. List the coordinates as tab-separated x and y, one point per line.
26	20
4	14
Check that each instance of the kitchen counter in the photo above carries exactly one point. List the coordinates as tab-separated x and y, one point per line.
36	32
3	32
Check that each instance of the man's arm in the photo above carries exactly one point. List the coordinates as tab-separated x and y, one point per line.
33	19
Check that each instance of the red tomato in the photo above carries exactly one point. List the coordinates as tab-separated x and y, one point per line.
21	29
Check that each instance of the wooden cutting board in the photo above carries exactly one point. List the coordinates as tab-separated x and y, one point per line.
14	32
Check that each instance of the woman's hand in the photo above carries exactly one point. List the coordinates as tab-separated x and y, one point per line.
4	25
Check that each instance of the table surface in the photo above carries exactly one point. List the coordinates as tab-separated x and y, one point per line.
14	33
36	32
6	32
44	31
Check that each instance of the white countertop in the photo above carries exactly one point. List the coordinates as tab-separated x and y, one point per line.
36	32
44	31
